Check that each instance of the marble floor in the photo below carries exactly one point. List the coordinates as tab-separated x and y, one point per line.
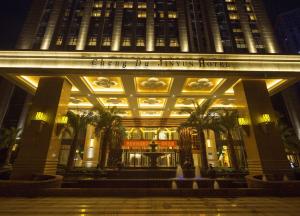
150	206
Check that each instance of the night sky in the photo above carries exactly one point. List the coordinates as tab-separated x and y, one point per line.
13	14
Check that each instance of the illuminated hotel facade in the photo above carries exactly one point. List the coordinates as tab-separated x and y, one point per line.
150	59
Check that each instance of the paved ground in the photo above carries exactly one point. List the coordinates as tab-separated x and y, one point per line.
150	206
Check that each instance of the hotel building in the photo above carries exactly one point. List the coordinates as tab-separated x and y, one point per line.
151	59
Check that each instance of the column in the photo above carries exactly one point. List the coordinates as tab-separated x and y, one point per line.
40	144
292	103
182	28
211	148
6	89
265	27
150	36
244	20
31	25
214	26
91	148
84	26
24	113
117	26
265	151
52	24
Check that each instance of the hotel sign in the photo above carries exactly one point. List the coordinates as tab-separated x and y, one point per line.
138	63
92	62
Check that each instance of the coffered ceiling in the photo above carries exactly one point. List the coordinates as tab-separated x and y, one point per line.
150	96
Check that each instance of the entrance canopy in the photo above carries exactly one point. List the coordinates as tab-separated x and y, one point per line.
149	85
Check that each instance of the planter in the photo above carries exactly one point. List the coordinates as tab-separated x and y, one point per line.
37	182
257	182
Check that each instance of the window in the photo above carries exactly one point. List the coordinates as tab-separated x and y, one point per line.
233	16
107	13
106	41
126	42
59	41
96	13
128	5
160	42
240	43
72	41
142	14
172	15
161	14
236	30
140	42
231	7
252	17
92	41
173	42
98	4
142	5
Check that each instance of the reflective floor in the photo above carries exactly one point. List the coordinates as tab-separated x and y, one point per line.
150	206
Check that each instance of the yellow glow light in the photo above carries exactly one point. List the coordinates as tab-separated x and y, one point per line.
63	120
266	118
40	116
243	121
151	113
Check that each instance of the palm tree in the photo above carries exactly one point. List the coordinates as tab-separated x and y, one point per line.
185	144
288	137
78	123
9	138
108	124
227	122
200	119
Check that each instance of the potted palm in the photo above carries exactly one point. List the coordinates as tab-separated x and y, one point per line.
77	124
227	122
200	119
108	124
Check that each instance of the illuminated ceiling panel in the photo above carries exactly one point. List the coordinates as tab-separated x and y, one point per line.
151	113
274	83
152	102
79	102
201	85
33	81
125	113
225	103
154	85
104	84
114	102
188	102
179	114
271	85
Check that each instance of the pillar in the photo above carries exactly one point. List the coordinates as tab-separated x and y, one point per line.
292	103
27	35
117	26
52	24
40	145
150	37
211	148
265	27
245	25
214	26
91	148
84	26
6	91
265	151
182	28
25	110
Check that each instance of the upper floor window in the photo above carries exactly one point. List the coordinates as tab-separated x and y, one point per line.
126	42
72	41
